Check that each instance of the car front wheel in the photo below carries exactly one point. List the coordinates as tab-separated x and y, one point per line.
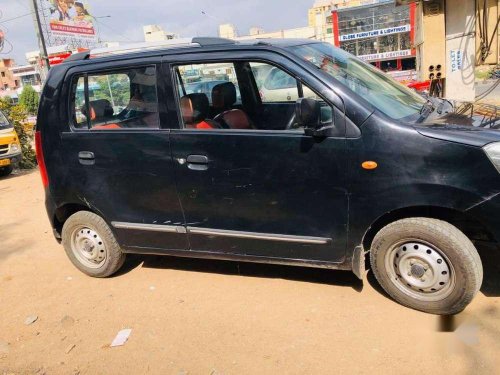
427	264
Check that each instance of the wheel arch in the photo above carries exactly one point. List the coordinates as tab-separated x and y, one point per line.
63	212
468	224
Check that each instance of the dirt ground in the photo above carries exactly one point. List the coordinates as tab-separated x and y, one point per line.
212	317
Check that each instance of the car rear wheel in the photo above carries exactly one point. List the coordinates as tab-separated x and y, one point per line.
5	171
427	264
90	245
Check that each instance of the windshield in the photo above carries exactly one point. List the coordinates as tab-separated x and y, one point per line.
379	89
4	123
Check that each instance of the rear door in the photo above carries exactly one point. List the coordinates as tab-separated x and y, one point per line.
118	154
270	191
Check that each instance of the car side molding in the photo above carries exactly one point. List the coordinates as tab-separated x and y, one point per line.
220	232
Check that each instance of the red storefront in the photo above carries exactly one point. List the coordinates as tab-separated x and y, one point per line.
380	33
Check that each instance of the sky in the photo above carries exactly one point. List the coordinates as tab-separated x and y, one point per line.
183	17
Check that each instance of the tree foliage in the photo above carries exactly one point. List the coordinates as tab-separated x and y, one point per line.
113	87
17	115
29	99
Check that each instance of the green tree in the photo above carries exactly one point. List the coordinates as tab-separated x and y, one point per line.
29	99
17	115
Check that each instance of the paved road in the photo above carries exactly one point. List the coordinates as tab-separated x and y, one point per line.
209	317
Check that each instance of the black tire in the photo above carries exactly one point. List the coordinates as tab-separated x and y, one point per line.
460	255
107	244
5	171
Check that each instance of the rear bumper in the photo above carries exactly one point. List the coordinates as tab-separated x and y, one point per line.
488	213
51	208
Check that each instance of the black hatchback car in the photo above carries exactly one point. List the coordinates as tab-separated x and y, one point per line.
342	162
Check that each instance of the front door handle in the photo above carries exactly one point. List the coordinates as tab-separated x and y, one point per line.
197	162
86	158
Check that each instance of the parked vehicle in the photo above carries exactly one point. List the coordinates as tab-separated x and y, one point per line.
279	86
365	166
10	148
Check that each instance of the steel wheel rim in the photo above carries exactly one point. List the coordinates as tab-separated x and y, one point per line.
420	270
88	247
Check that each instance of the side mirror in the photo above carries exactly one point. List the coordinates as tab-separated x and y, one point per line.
316	120
308	114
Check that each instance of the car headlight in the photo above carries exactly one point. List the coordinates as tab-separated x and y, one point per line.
14	147
493	152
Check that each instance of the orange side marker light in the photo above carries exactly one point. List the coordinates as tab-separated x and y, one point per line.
369	165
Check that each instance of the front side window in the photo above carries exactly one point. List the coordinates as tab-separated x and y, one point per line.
240	96
116	100
279	86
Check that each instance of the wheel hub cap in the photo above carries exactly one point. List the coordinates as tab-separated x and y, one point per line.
88	247
417	271
419	268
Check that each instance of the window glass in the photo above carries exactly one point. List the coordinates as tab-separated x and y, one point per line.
202	78
4	123
275	85
240	96
385	94
80	118
118	100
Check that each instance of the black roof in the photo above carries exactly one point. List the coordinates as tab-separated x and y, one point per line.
196	44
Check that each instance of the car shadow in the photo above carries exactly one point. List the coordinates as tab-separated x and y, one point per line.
490	256
244	269
18	172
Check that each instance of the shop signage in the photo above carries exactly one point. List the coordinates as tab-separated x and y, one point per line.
386	55
375	33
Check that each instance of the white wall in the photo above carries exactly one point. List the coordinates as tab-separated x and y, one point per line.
460	37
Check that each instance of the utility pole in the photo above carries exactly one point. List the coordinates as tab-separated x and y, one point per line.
39	34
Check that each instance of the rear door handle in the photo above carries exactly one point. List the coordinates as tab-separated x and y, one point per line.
197	162
86	158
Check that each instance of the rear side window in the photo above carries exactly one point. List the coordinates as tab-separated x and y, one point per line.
125	99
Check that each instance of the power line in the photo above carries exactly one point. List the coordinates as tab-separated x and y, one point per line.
15	18
112	29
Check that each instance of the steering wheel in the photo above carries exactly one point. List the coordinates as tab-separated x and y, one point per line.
291	123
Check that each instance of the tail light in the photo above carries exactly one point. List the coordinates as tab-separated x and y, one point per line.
40	159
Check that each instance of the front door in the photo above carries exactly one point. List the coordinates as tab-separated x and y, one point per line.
249	180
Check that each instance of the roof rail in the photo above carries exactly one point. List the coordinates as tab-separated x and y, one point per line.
210	41
145	46
78	56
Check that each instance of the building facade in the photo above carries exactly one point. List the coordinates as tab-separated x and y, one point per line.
229	31
379	32
155	33
320	19
7	79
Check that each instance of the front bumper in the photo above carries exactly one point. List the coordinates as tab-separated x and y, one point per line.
488	213
14	158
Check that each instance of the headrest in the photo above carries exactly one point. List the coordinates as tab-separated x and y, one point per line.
99	109
194	108
224	95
